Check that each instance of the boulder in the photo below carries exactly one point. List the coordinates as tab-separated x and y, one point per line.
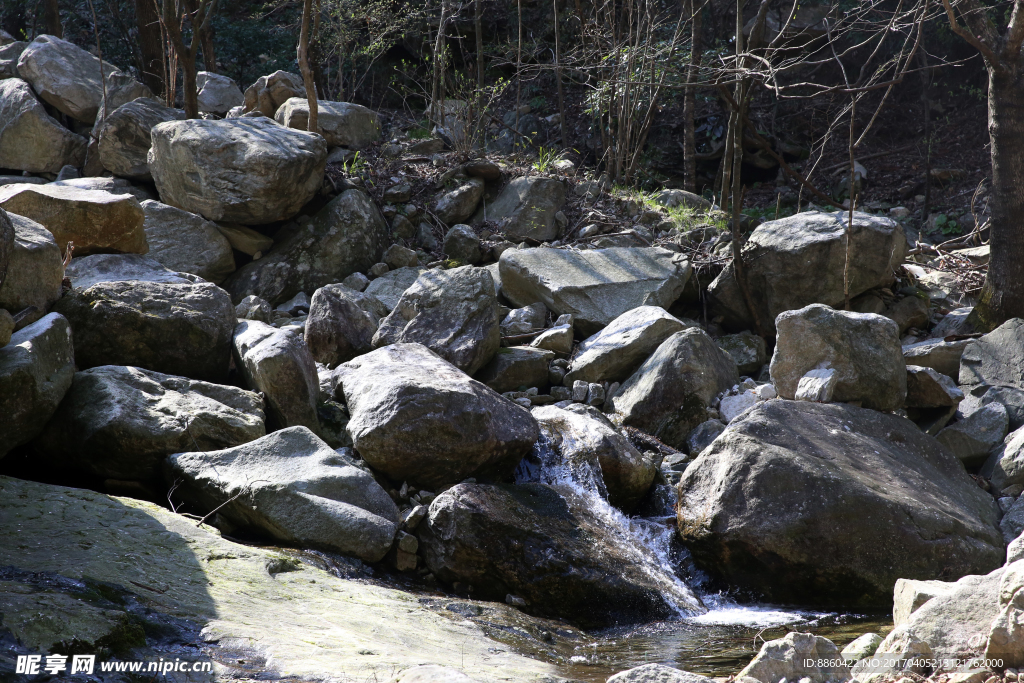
217	93
908	312
515	367
585	443
67	77
268	93
1012	523
862	647
124	136
595	286
1006	635
1005	467
612	354
778	255
898	654
703	435
248	171
927	388
398	256
979	395
389	287
176	329
996	358
254	308
417	418
462	245
188	243
111	185
557	338
549	548
657	673
973	438
526	209
291	487
862	348
35	269
458	205
908	596
91	270
341	324
669	393
675	199
939	355
523	320
734	405
854	476
36	368
9	55
454	313
343	124
30	139
277	363
244	239
97	222
746	349
797	657
119	422
347	236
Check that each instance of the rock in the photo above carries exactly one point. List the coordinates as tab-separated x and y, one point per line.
111	185
657	673
358	282
1015	551
910	311
9	55
176	329
217	93
703	435
260	172
980	395
67	77
417	418
453	312
121	422
6	327
526	209
378	269
35	268
909	595
734	406
514	367
1012	523
595	286
90	270
36	368
667	396
972	439
1006	635
462	245
780	253
97	222
432	673
939	355
254	308
674	199
124	136
954	323
341	324
390	287
549	548
591	446
1005	467
268	93
863	349
926	388
817	385
797	656
557	339
277	363
244	239
30	139
612	354
188	243
398	256
859	475
458	205
862	647
746	349
293	488
524	320
343	124
899	652
996	358
346	236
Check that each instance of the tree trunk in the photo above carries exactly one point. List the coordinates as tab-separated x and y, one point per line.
1002	297
205	36
188	84
690	100
302	53
151	44
51	12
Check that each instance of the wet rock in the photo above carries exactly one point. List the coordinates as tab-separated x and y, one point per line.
294	488
30	139
939	355
341	324
972	439
926	388
188	243
862	348
668	395
419	419
462	245
343	124
859	475
261	172
390	287
797	656
526	209
996	358
34	270
97	222
515	367
36	368
595	286
217	93
458	205
269	92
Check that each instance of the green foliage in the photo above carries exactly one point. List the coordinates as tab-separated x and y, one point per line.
545	157
252	46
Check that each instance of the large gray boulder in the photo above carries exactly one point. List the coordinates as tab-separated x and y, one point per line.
779	255
67	77
973	438
939	355
119	422
389	287
595	286
9	55
124	136
293	488
249	171
615	352
546	546
269	92
35	269
91	270
347	236
96	221
30	139
1005	467
457	206
797	657
996	359
454	313
862	348
343	124
36	368
417	418
852	476
1006	635
187	243
176	329
526	209
217	93
669	393
341	324
277	363
514	367
107	184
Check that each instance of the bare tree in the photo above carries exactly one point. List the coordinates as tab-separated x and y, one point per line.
151	45
174	16
302	53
